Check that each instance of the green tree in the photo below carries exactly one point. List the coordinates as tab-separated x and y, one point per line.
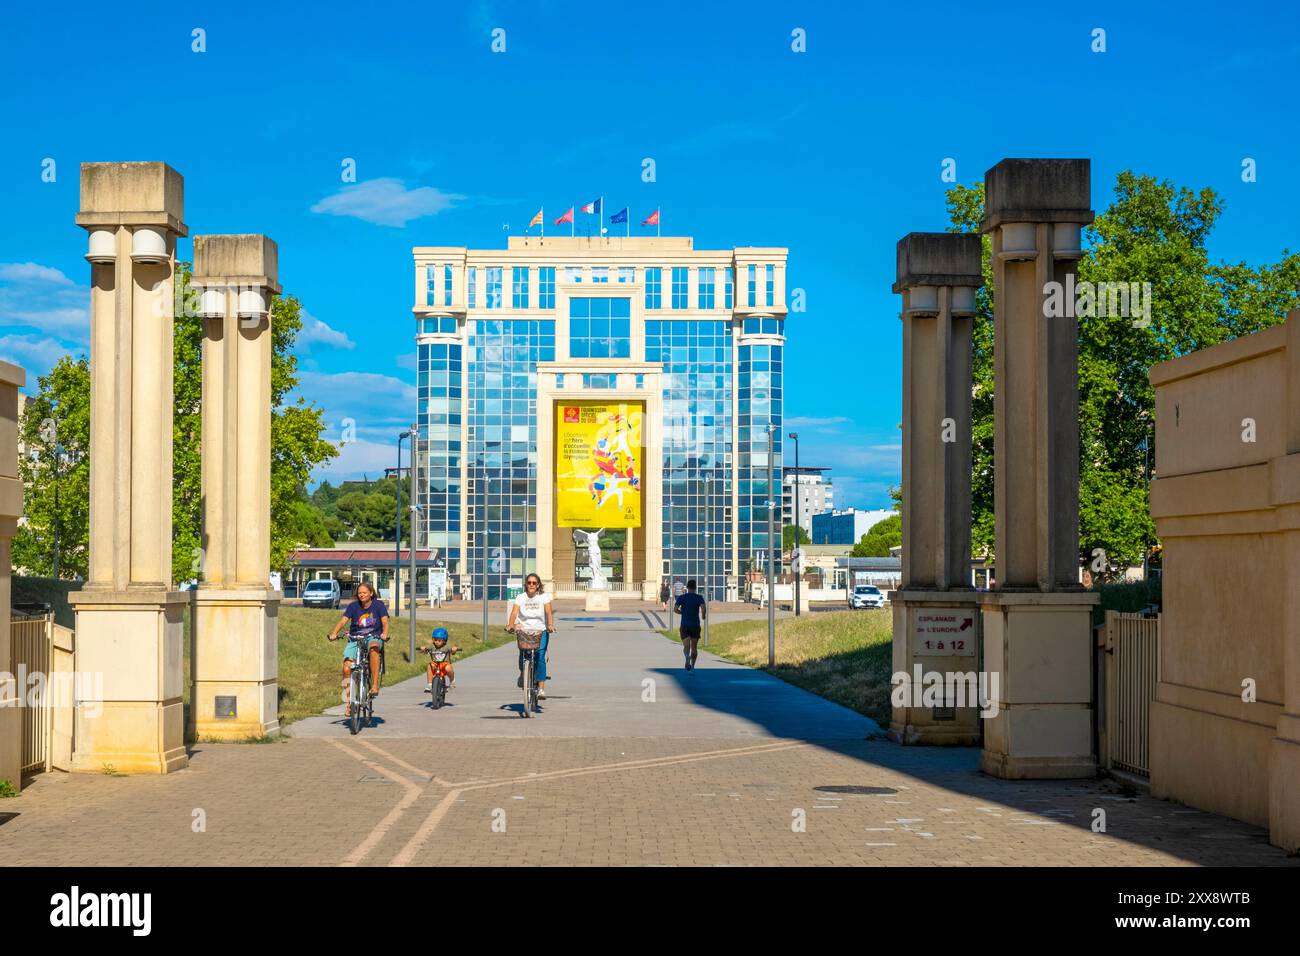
1156	232
788	534
50	471
880	537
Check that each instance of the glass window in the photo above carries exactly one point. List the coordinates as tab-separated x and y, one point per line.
573	273
446	284
771	284
706	288
599	380
431	285
546	287
626	274
654	288
600	328
473	287
600	273
726	288
679	287
753	285
493	291
519	294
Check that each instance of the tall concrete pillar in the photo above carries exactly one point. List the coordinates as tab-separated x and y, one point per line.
12	378
235	611
1037	623
129	619
936	625
1284	761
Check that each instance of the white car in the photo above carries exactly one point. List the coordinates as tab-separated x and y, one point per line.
866	595
322	592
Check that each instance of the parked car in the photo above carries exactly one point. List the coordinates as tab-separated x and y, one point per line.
866	595
322	592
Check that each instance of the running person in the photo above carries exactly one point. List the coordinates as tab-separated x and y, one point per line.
691	607
367	622
531	611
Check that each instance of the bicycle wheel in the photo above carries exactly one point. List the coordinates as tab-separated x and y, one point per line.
354	722
439	691
528	685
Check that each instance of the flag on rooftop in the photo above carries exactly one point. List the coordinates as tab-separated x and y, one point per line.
620	216
567	217
537	220
652	219
592	208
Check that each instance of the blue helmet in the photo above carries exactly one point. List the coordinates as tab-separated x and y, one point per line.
440	634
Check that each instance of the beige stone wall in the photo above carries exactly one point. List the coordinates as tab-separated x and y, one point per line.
11	507
1228	512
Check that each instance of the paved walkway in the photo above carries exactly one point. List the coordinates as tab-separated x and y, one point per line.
723	766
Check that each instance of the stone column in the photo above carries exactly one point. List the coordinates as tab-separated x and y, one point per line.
12	378
1284	761
1037	623
235	611
936	627
129	619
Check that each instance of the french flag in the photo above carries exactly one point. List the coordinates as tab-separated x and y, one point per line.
592	208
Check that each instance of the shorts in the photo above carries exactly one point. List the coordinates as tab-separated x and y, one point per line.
691	631
350	651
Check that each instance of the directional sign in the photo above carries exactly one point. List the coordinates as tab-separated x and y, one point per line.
944	632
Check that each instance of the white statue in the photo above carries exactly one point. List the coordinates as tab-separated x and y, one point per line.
592	540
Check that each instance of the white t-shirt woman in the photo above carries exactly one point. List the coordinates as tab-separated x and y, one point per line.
531	612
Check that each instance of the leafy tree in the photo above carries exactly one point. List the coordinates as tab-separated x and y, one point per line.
1156	232
60	409
788	536
880	537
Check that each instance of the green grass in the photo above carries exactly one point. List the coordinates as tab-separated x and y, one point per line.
844	656
311	667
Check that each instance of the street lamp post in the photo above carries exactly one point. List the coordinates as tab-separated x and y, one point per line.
483	545
772	502
794	547
415	508
397	538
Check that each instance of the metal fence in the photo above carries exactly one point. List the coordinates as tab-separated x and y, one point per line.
1132	648
33	653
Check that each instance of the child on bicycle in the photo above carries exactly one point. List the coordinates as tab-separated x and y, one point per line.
439	638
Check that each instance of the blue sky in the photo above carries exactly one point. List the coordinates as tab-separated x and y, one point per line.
835	153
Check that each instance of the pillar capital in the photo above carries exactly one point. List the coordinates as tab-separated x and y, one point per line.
132	194
238	260
938	258
1037	190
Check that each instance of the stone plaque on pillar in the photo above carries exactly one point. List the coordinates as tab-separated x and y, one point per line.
128	617
1037	623
234	663
938	685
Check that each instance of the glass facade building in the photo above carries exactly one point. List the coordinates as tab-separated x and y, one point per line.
505	336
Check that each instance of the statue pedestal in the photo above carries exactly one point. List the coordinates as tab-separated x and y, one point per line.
597	601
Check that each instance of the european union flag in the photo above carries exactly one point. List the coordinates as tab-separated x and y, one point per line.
620	216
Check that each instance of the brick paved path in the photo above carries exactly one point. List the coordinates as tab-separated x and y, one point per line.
721	768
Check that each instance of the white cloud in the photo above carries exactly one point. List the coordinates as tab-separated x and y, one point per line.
366	389
37	354
355	460
316	331
33	296
386	202
32	272
804	421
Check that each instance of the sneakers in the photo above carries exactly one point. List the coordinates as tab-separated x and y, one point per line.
428	688
541	694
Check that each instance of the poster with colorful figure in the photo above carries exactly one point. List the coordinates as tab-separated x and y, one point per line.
598	465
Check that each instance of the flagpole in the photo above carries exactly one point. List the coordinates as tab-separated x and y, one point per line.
602	217
543	222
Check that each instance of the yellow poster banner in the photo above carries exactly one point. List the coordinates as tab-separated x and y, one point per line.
598	464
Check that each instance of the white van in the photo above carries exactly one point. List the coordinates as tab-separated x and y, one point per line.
321	592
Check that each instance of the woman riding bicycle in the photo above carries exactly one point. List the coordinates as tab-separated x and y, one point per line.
367	621
531	612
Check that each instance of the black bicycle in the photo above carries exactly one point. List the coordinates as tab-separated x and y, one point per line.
363	707
530	643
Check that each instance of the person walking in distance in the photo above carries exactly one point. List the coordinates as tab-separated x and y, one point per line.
692	608
665	594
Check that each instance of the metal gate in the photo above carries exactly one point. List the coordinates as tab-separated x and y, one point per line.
33	653
1132	669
